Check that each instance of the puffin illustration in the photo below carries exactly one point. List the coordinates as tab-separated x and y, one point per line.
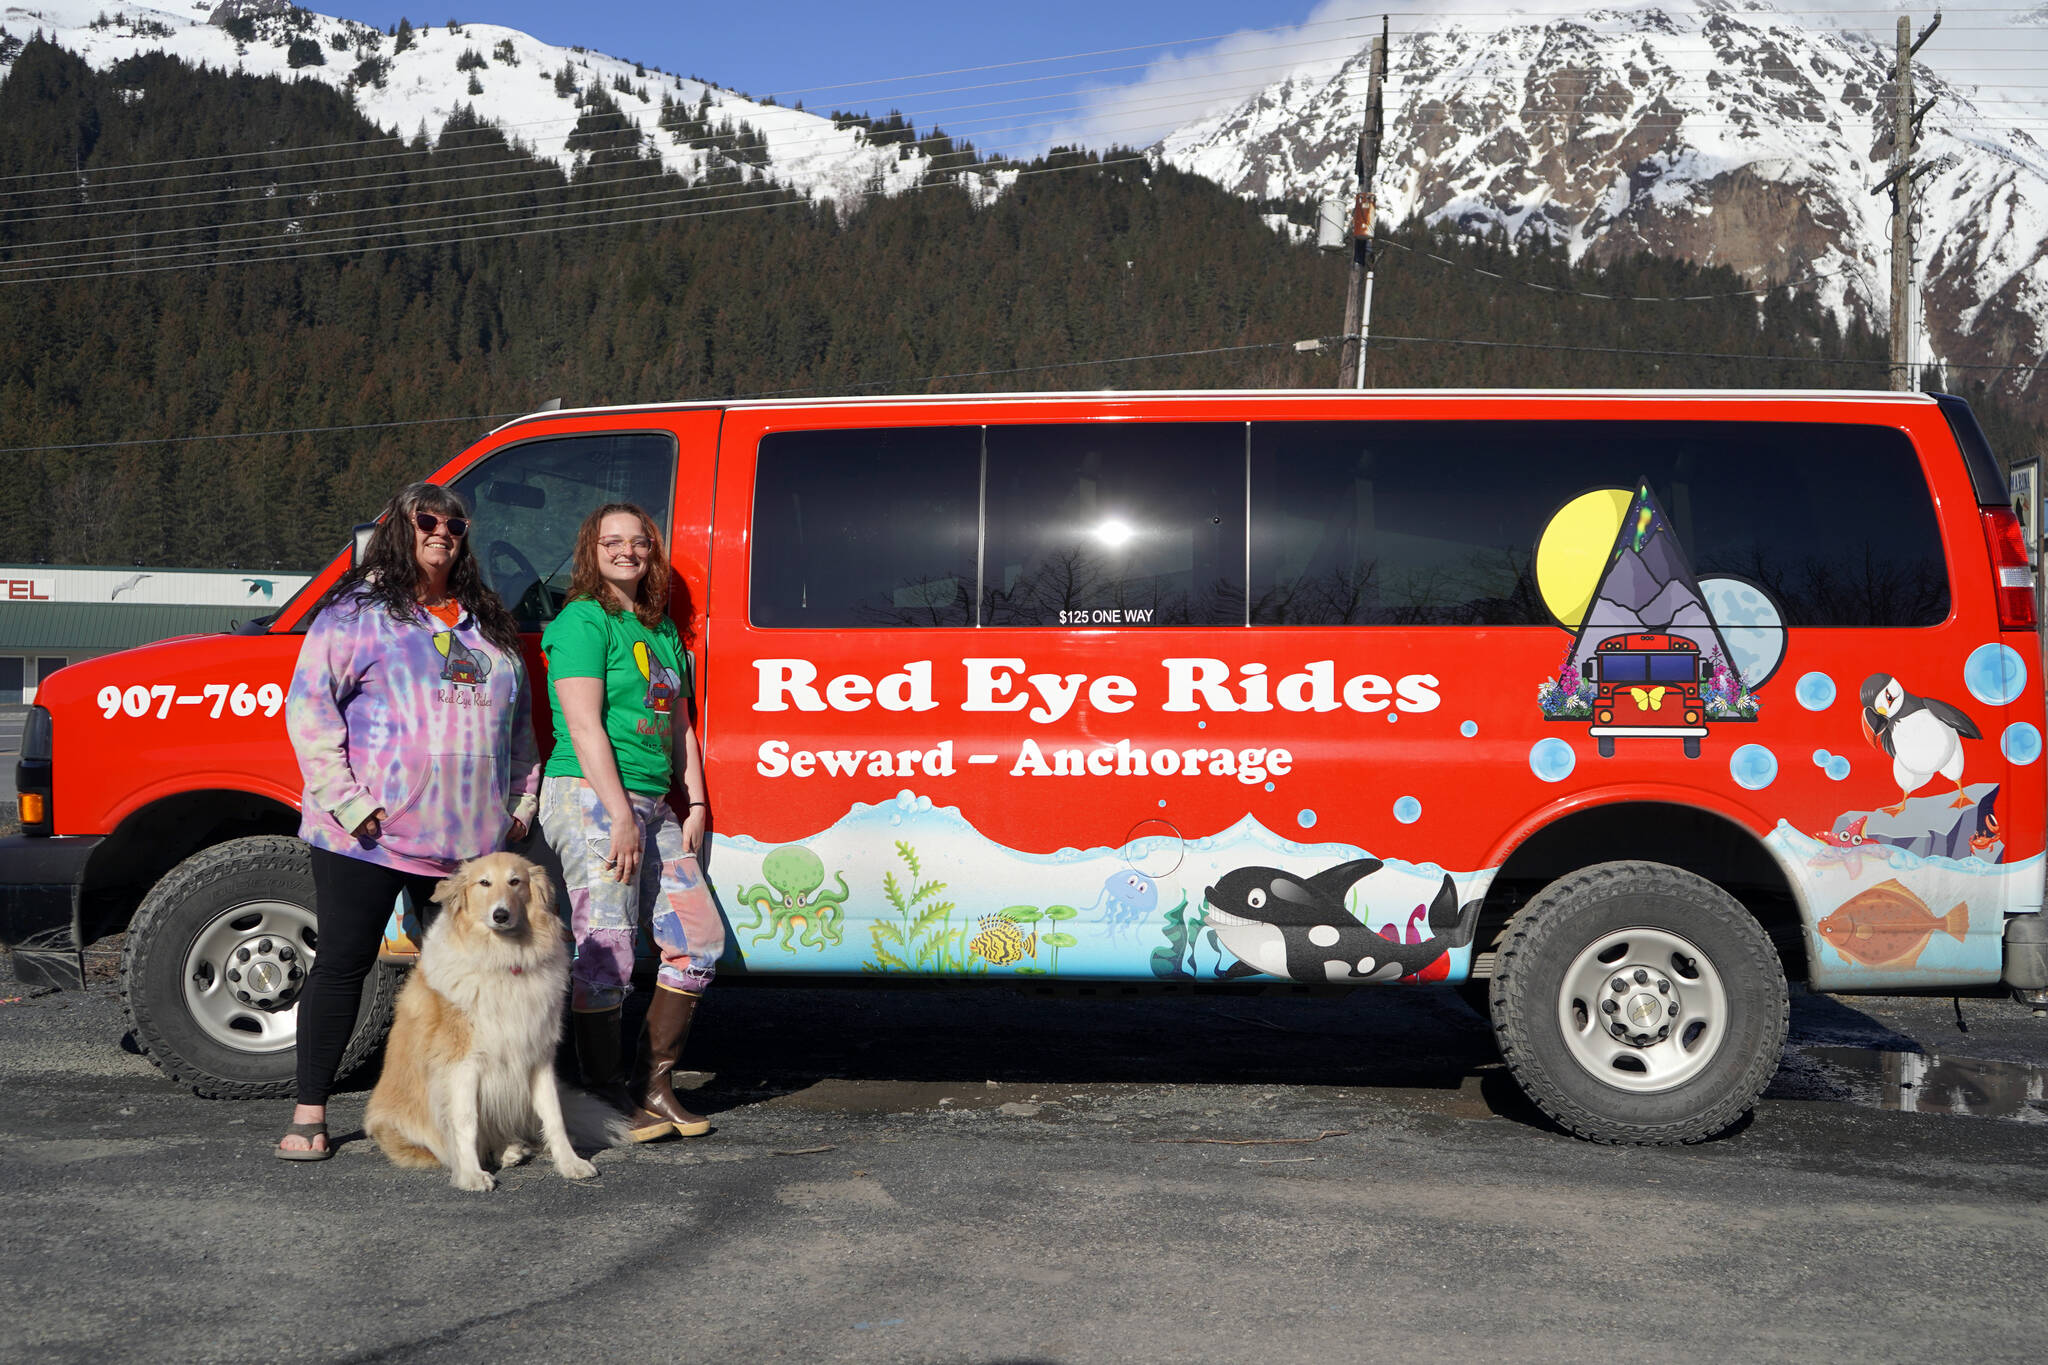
1923	735
1298	928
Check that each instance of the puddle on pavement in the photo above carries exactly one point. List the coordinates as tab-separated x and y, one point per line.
1929	1083
843	1096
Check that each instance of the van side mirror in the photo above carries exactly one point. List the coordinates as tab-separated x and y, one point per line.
1705	671
361	547
1587	667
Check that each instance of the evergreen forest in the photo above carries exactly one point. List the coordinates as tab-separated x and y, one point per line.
351	339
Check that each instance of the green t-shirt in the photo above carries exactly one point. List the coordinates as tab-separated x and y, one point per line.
646	689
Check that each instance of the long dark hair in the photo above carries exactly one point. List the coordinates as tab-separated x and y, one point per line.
388	575
651	604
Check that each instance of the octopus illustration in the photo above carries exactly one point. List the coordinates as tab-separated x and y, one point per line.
791	902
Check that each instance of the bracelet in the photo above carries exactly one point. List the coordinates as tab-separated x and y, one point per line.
705	804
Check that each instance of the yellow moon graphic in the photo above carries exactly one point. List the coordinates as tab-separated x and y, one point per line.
1573	550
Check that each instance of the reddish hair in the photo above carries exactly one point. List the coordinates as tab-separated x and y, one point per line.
651	605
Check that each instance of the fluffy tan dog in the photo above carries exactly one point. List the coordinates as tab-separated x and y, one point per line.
469	1073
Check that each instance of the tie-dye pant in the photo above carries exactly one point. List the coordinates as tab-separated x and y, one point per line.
604	913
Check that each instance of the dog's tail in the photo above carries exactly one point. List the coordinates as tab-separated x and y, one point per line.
591	1122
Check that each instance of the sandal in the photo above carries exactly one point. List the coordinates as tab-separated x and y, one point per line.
308	1131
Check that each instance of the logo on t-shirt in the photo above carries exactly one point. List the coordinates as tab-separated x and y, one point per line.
463	665
664	684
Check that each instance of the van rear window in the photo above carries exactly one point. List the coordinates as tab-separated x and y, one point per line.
1436	523
867	528
1115	524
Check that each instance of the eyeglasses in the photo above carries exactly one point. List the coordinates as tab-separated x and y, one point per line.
611	545
429	523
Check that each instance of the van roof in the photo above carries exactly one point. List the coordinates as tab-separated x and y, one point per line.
1070	395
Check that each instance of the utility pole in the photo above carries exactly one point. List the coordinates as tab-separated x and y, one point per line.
1358	300
1903	142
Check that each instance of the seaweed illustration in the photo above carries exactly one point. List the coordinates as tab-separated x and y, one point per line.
922	938
1054	939
1183	931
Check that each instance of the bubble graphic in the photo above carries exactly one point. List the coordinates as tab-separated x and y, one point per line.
1162	803
1995	674
1837	768
2021	742
1753	767
1307	819
1201	725
1552	759
1821	757
1407	810
1393	716
1816	691
1469	728
1269	786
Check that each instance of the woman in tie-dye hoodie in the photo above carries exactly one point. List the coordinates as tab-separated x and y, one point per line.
413	725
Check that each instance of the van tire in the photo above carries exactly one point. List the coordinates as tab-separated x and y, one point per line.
1547	958
200	897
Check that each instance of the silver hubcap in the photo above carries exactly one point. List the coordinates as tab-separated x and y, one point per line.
1642	1009
244	972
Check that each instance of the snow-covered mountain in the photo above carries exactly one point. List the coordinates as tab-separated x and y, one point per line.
530	88
1723	131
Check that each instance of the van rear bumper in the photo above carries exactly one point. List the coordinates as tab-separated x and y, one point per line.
41	882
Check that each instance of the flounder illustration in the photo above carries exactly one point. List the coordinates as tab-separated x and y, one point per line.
1889	926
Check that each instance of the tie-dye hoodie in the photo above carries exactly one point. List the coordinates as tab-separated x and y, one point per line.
432	725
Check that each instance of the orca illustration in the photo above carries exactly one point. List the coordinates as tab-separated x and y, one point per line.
1288	926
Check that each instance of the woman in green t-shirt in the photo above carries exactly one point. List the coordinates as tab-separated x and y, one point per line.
620	682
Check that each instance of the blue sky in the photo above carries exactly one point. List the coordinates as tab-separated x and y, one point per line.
765	48
1178	63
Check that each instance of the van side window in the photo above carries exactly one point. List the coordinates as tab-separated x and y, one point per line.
1436	523
1114	523
866	528
527	501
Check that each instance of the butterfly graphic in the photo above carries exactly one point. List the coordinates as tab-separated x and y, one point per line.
1648	698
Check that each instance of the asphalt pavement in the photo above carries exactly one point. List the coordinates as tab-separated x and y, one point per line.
985	1175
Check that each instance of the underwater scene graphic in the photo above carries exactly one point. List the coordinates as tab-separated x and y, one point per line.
927	894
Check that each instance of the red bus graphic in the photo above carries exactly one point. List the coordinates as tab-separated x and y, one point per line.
1649	686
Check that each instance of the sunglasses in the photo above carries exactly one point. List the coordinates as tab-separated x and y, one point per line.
429	523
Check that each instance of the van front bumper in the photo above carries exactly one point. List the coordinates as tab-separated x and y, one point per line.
41	882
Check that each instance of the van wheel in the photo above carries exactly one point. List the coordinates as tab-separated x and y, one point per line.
216	956
1637	1003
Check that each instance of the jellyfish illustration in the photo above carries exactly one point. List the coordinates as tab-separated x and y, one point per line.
1129	897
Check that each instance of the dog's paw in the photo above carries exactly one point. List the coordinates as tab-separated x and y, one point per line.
474	1180
514	1153
576	1168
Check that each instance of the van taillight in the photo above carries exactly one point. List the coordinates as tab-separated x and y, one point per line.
2015	576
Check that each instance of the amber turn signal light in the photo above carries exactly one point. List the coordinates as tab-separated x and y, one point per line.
34	807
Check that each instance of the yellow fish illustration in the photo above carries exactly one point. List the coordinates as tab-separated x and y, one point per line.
1000	943
1648	698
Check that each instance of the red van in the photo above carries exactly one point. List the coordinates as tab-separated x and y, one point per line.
1621	708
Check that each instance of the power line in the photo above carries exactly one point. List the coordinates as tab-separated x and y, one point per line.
279	254
1568	291
1309	343
750	100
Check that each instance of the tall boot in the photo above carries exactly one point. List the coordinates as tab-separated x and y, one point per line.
600	1055
661	1047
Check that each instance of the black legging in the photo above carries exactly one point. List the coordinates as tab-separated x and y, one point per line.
352	901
